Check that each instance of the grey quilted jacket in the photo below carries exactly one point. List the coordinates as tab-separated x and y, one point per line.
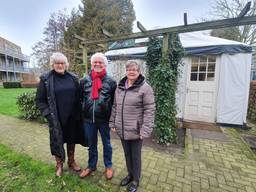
133	110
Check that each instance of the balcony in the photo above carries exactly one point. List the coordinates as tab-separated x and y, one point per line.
17	69
14	54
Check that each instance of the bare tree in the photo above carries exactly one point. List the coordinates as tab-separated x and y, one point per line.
53	38
223	9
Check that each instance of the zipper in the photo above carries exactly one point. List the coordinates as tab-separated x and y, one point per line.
93	109
123	113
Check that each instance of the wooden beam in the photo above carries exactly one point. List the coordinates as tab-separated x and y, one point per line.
245	9
249	20
78	57
185	19
79	37
101	45
141	27
105	32
68	50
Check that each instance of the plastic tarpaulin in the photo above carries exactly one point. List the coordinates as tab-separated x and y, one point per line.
127	53
194	43
197	43
233	93
218	49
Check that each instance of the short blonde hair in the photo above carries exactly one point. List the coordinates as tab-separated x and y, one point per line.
58	56
99	55
132	63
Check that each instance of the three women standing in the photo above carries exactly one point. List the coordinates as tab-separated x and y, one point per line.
59	99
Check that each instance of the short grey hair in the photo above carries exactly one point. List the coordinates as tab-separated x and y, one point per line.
132	63
99	55
58	56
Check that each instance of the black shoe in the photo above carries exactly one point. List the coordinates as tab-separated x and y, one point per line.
133	186
126	180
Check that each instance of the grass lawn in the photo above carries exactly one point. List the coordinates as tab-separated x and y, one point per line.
19	172
8	100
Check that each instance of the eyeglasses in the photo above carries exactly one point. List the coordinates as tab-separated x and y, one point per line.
132	70
59	63
98	62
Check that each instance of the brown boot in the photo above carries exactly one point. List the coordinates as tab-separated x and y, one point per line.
59	166
109	172
71	160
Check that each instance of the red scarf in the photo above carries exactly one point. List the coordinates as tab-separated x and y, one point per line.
97	83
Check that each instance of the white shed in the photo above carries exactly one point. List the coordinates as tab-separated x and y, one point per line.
214	82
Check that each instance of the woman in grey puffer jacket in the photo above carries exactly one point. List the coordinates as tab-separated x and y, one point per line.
132	118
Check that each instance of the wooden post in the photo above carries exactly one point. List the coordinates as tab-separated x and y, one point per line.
85	59
141	27
185	19
165	44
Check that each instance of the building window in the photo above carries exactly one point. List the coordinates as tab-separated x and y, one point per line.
203	68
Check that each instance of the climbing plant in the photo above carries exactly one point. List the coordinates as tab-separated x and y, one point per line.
162	75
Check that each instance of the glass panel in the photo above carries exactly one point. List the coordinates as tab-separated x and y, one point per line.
193	77
194	67
211	67
203	59
202	76
195	59
212	59
202	67
210	76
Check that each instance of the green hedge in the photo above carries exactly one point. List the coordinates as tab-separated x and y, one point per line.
12	84
29	84
251	114
27	106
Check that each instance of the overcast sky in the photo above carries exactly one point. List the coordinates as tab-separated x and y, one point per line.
23	21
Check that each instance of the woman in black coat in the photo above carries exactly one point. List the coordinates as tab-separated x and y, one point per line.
58	99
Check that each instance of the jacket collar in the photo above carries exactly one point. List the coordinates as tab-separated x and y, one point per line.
139	81
47	75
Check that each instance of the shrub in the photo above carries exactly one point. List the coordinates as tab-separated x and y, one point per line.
26	104
12	84
29	84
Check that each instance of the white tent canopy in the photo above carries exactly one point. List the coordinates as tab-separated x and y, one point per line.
193	43
233	78
198	39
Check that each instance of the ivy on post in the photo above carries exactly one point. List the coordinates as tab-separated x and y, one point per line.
165	44
161	57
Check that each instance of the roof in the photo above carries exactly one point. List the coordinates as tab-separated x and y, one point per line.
195	43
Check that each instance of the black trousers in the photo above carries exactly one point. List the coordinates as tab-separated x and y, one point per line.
132	152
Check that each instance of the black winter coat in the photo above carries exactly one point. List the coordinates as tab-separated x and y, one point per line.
97	111
46	102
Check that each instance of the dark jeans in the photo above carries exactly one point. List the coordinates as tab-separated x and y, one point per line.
91	130
132	151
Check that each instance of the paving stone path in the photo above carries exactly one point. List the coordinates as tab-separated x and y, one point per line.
206	165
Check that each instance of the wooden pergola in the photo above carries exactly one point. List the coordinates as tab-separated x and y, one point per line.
224	23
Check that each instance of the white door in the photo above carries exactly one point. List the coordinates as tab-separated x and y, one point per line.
201	91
